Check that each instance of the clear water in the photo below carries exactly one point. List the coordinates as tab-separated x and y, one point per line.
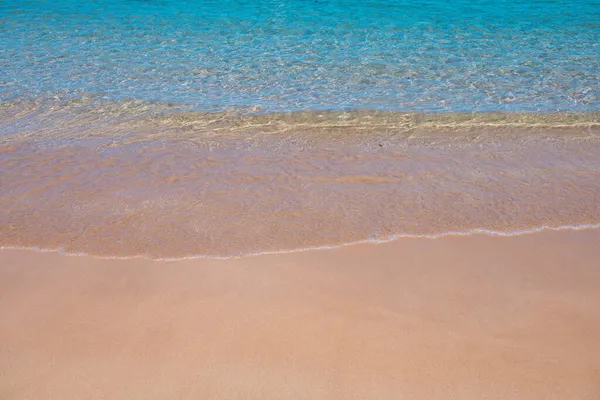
291	55
175	128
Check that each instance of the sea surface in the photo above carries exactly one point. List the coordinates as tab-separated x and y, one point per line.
298	55
174	128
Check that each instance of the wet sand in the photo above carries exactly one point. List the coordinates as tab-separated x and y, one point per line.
473	317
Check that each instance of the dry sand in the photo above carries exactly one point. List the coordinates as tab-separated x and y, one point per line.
474	317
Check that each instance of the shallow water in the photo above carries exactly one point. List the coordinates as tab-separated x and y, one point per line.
173	128
103	179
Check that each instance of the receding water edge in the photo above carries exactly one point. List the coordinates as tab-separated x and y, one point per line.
389	239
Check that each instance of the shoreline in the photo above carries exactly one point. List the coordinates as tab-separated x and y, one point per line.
400	236
467	317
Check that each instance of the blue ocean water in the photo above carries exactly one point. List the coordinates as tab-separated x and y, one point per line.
290	55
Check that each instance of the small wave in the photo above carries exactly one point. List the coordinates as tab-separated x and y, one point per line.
388	239
47	119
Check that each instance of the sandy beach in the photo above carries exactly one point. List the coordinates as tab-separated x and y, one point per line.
299	200
473	317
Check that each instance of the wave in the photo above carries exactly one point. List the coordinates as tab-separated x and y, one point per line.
389	239
55	119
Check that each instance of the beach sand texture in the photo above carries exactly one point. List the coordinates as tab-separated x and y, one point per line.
473	317
300	200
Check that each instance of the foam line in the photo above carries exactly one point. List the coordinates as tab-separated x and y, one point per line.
387	239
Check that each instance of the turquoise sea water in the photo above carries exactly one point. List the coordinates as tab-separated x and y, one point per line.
291	55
